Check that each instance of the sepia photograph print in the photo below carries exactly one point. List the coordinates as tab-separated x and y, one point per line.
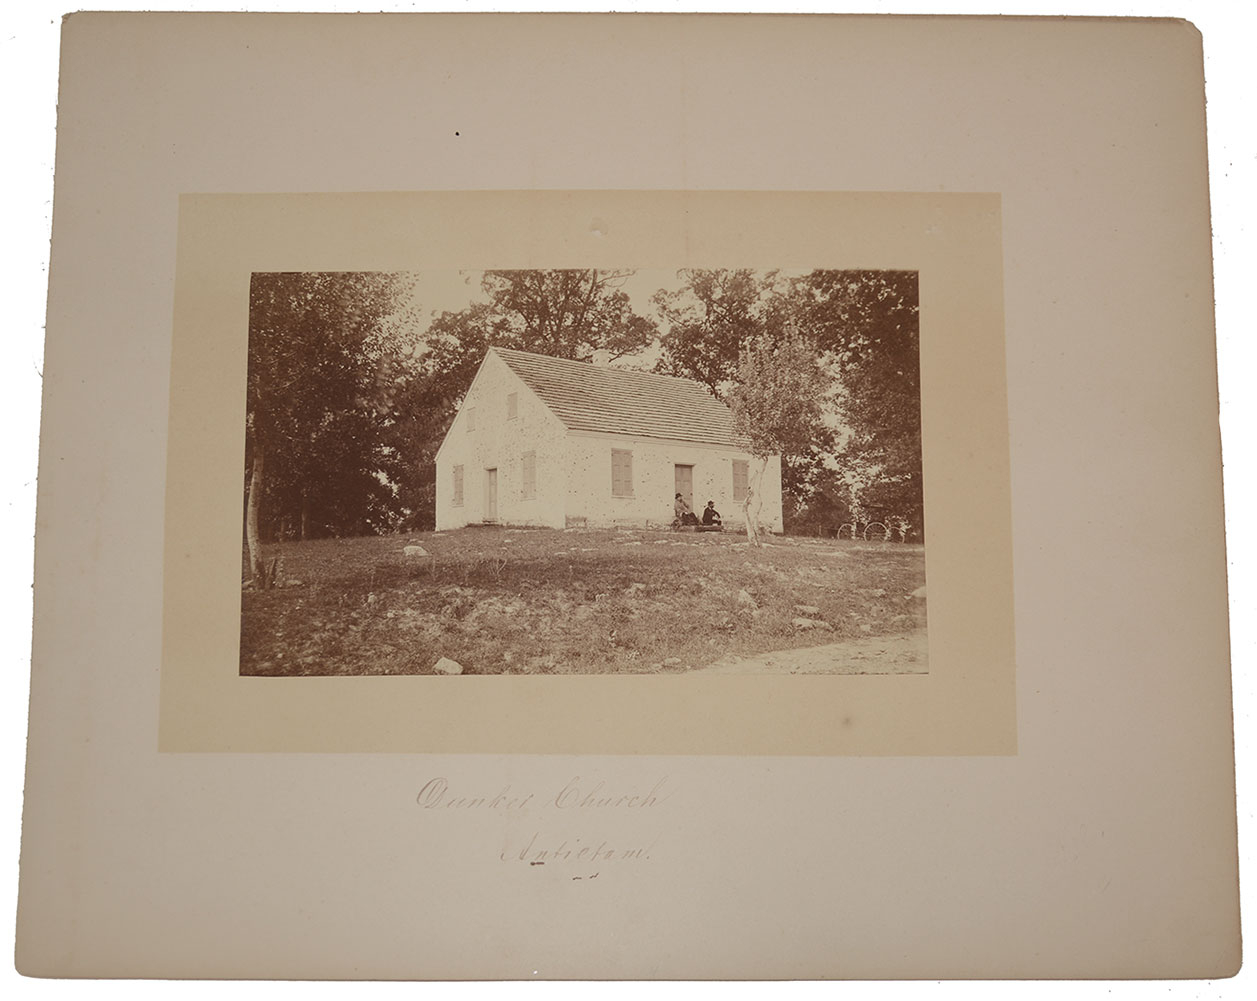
583	471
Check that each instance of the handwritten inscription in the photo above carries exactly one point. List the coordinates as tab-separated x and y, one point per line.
575	795
537	852
580	857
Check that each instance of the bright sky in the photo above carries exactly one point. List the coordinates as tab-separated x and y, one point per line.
437	292
441	291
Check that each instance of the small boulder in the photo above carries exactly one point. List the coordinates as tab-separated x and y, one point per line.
919	592
809	610
672	662
416	551
633	589
447	666
806	623
746	598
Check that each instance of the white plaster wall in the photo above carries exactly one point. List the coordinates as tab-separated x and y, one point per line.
500	442
654	480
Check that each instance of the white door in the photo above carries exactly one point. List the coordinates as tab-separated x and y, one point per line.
685	484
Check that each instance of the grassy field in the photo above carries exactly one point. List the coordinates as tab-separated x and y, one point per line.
528	601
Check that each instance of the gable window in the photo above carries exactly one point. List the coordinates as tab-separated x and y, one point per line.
471	418
458	486
512	406
739	480
621	473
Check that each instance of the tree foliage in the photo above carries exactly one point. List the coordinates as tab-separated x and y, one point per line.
869	322
325	372
713	316
564	313
863	326
778	402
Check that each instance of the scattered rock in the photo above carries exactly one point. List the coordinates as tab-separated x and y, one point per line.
416	551
806	623
809	610
447	666
370	599
918	593
865	627
633	589
672	662
292	583
745	598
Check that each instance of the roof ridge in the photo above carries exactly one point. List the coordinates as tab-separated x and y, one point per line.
584	397
601	368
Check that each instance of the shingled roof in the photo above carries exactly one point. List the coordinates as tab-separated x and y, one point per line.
589	397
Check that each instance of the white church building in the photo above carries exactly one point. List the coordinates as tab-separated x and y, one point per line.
557	443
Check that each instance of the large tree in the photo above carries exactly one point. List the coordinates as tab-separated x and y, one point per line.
713	316
868	321
565	313
778	406
324	370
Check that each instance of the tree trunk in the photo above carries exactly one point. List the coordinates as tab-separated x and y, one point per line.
754	493
257	566
752	536
759	495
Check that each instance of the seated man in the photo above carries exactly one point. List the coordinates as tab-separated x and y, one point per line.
710	515
684	515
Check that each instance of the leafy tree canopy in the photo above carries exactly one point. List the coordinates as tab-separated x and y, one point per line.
713	316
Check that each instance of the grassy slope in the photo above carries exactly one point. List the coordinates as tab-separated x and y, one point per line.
545	601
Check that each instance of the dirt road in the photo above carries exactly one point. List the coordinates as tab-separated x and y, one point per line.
904	653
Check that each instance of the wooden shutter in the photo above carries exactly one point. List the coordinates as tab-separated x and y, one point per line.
739	480
621	473
458	485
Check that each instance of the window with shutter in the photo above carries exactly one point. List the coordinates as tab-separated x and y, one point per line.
471	418
512	406
621	473
458	486
739	480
